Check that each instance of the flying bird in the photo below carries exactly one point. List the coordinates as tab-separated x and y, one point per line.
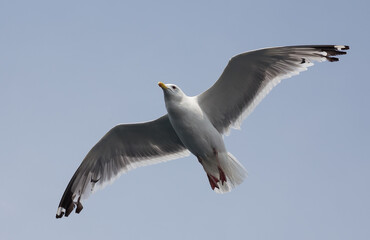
194	124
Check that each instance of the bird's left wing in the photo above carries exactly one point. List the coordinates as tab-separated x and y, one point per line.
123	148
250	76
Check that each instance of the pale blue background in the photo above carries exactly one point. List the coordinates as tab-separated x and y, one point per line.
71	70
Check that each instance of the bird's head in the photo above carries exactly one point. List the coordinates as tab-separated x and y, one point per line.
171	91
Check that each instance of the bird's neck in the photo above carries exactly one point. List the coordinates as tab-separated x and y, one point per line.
182	106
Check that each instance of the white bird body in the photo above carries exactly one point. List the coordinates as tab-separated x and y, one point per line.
200	137
194	124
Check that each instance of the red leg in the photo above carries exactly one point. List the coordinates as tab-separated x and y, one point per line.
213	181
222	175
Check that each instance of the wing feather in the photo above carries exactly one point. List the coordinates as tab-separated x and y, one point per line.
250	76
124	147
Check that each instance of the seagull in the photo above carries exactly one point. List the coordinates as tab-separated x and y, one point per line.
194	124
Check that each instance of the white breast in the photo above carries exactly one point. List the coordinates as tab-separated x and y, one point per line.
193	127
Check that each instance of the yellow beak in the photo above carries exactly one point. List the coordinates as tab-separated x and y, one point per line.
162	85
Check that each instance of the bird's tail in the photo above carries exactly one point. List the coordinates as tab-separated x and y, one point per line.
225	173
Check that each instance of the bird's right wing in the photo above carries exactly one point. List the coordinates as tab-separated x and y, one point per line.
123	148
250	76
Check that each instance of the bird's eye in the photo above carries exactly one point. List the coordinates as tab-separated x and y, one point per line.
173	87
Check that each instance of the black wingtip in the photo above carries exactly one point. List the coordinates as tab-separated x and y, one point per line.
333	50
69	209
79	207
332	59
66	204
341	47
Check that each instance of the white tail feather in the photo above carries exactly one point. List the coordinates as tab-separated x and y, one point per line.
234	171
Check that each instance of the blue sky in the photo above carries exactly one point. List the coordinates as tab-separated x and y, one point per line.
71	70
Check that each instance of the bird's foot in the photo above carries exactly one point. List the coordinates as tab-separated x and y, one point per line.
222	175
213	181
